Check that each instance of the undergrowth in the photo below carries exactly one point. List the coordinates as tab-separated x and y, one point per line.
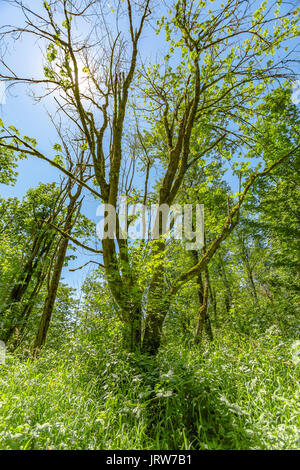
235	393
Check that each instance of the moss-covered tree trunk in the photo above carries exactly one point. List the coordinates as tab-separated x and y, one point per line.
203	323
56	275
12	313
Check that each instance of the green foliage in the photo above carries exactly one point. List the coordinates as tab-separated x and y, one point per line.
8	162
237	393
205	109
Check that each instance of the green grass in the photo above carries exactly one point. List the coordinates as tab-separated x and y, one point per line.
234	394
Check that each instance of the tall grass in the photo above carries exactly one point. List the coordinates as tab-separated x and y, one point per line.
236	393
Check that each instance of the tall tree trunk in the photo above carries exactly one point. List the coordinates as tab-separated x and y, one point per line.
208	327
251	279
203	290
56	275
203	297
40	249
213	297
125	291
157	306
24	276
132	329
27	309
51	296
228	294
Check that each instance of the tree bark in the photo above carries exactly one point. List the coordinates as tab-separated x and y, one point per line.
228	294
203	291
157	305
56	275
40	248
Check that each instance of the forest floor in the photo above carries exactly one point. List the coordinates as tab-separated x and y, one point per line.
235	393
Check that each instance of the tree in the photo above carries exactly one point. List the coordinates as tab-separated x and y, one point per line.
72	212
209	96
26	222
